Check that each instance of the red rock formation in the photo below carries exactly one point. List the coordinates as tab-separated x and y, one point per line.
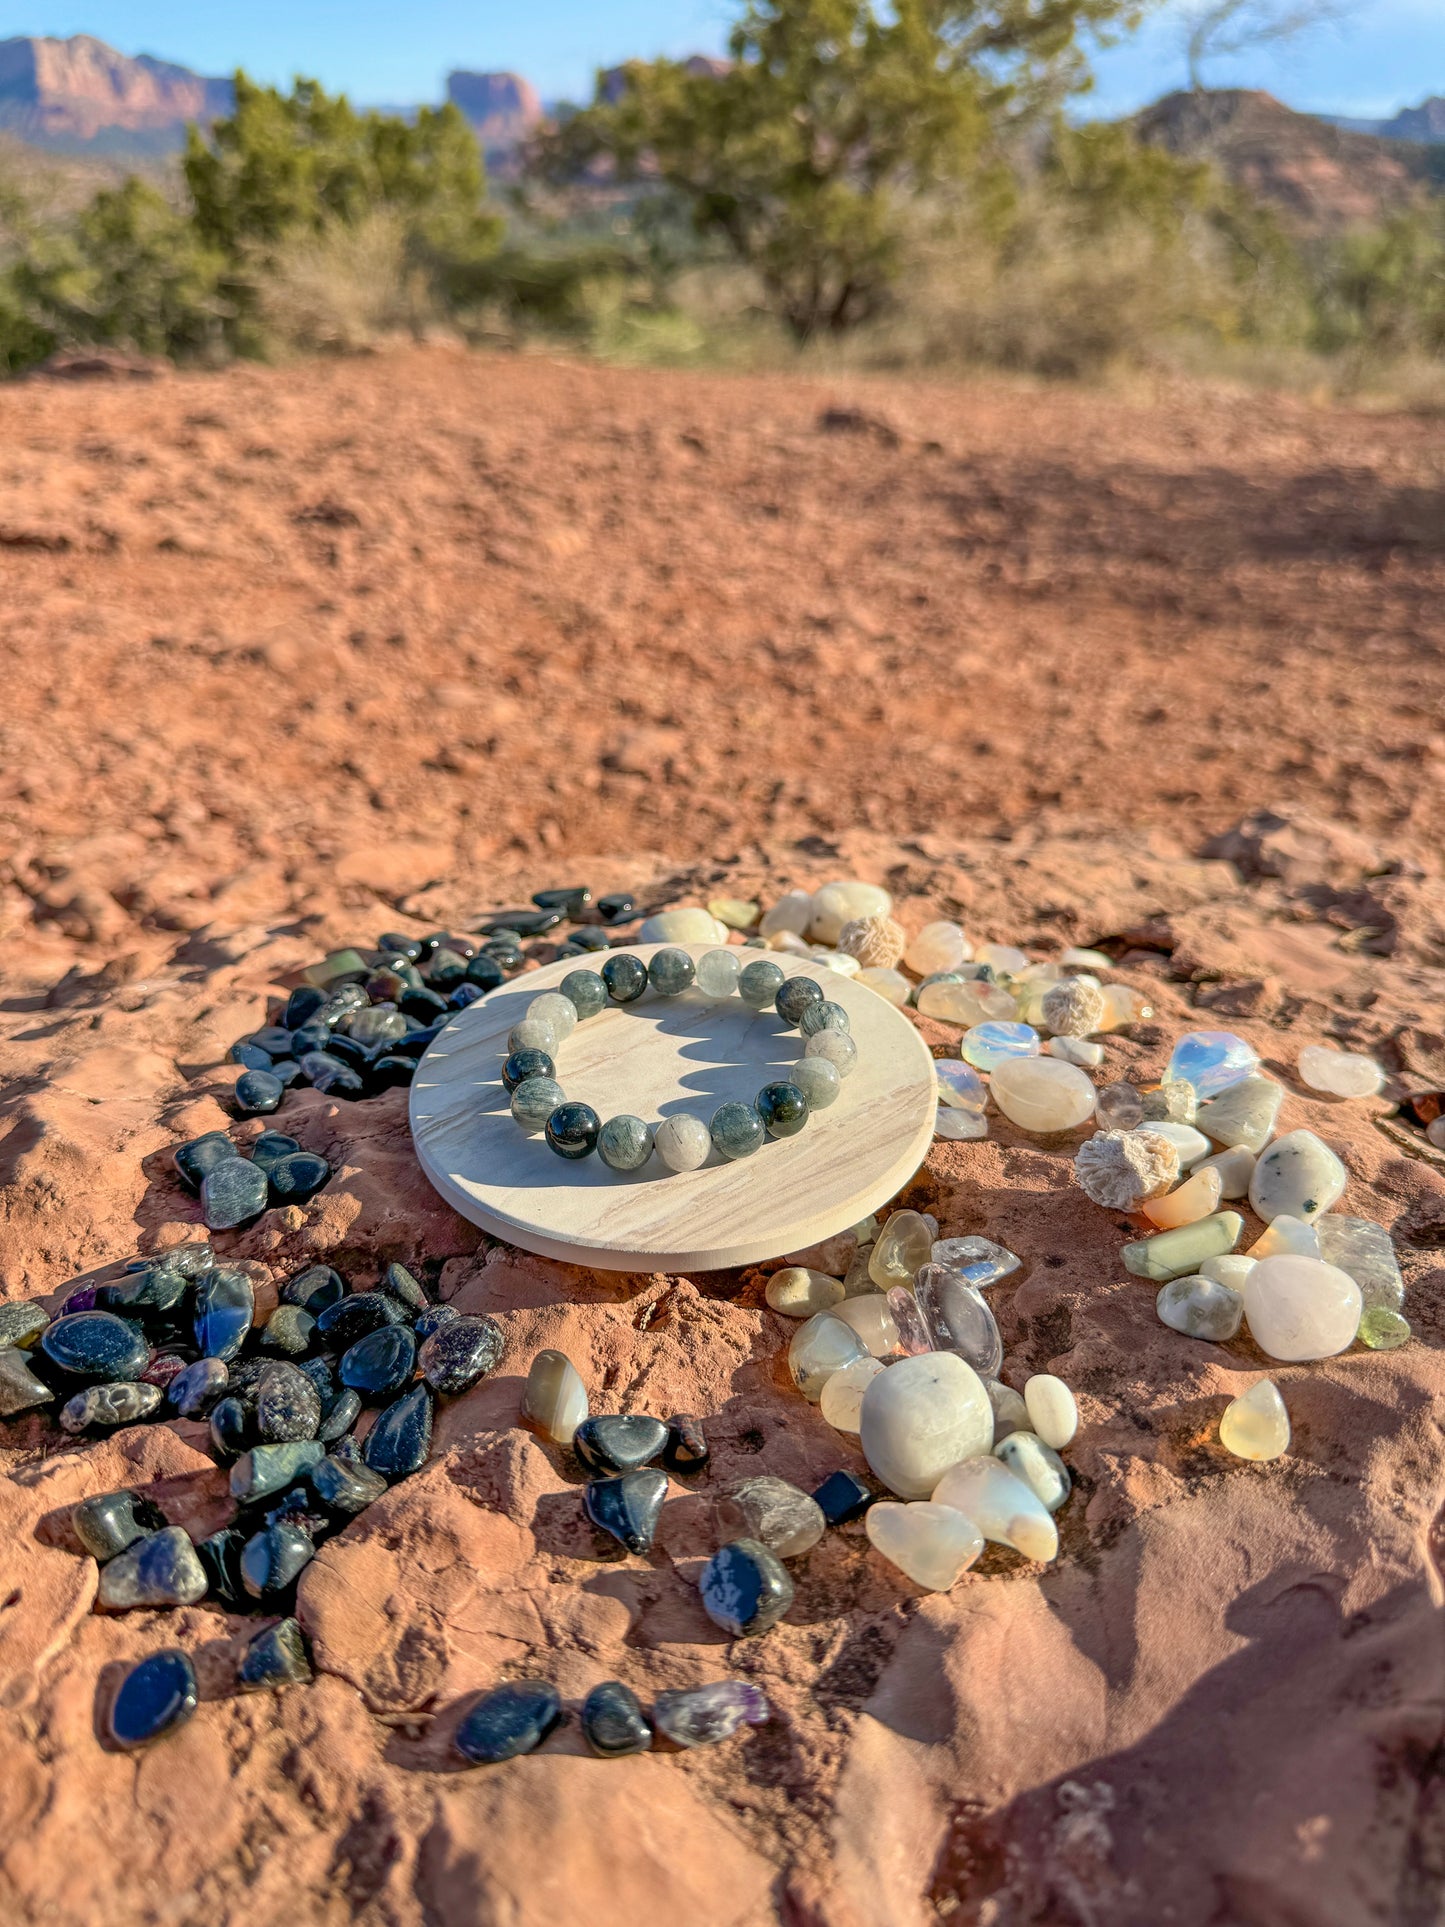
78	91
503	108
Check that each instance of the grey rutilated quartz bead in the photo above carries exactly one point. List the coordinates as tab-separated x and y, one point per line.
818	1080
737	1130
822	1014
671	972
586	990
759	984
534	1101
718	972
625	1143
794	996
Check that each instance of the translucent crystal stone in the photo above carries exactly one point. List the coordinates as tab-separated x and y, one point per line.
958	1319
798	1292
889	984
1038	1465
1042	1095
959	1126
822	1346
1435	1133
972	1003
737	1131
839	903
1170	1254
913	1332
1003	959
919	1417
981	1261
689	925
718	972
777	1514
1076	1050
1228	1268
532	1034
930	1544
703	1715
938	946
903	1247
1235	1167
1383	1329
554	1401
1298	1175
759	983
836	960
1367	1252
817	1078
792	912
1003	1507
842	1397
1212	1060
738	913
794	946
1123	1006
1342	1073
836	1047
1052	1408
1120	1107
987	1046
625	1143
859	1276
1195	1198
960	1086
670	972
1200	1307
534	1101
554	1009
1172	1102
871	1316
1255	1425
683	1142
1189	1143
1300	1308
1244	1115
1287	1234
1010	1414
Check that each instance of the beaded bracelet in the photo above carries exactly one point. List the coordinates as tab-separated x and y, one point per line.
682	1142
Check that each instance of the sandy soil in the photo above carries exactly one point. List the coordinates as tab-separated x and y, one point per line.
293	656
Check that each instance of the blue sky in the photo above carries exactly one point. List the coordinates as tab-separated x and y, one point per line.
1391	54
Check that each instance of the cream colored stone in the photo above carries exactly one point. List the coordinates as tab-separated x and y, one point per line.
1256	1425
793	912
1010	1414
929	1544
1286	1234
1235	1167
738	913
1052	1408
938	946
800	1293
1299	1175
872	1318
554	1399
1040	1094
974	1001
1002	1506
1193	1146
821	1347
1195	1198
839	903
788	942
1004	959
1123	1006
1228	1268
905	1245
841	1403
921	1416
1037	1464
689	925
1244	1114
1340	1073
1299	1308
890	984
1076	1050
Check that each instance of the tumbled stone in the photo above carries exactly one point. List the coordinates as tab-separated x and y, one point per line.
704	1715
432	1319
398	1444
22	1323
1120	1107
871	1316
231	1424
297	1179
1298	1175
1299	1308
1170	1254
258	1092
151	1297
777	1514
1367	1252
1235	1167
459	1353
686	1452
841	1400
958	1319
1200	1307
108	1406
344	1487
554	1401
1052	1408
1211	1060
797	1292
1004	1507
628	1506
275	1657
356	1316
1173	1102
225	1304
1029	1458
745	1589
902	1249
842	1496
891	985
200	1155
1383	1329
938	946
919	1417
929	1544
107	1523
618	1442
989	1046
1010	1414
1286	1234
912	1331
233	1193
1340	1073
269	1149
288	1332
1042	1095
980	1261
20	1390
509	1721
1255	1425
839	903
96	1345
972	1003
155	1697
1244	1116
338	1417
314	1289
1228	1268
272	1560
1190	1144
821	1347
959	1126
1197	1197
612	1721
271	1468
159	1570
1076	1050
378	1365
288	1405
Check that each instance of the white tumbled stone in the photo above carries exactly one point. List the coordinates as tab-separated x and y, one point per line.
974	1001
1244	1115
1189	1143
1256	1425
1076	1050
1301	1308
1037	1464
959	1126
921	1416
1004	1507
841	1400
839	903
1200	1307
798	1292
938	946
929	1544
1227	1268
1010	1414
891	985
1006	959
1287	1234
1299	1175
793	913
1340	1073
1235	1167
691	925
1053	1409
1042	1095
821	1347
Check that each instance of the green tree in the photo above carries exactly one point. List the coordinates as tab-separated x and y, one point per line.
832	115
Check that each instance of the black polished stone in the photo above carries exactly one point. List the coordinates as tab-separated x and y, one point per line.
842	1496
108	1522
250	1056
508	1721
96	1345
150	1296
198	1155
195	1389
616	907
390	985
274	1039
522	923
314	1289
288	1332
352	1317
396	945
20	1389
339	1005
155	1697
271	1147
464	996
628	1507
686	1451
783	1108
258	1093
572	1130
299	1508
220	1558
505	952
589	937
618	1442
343	1487
485	973
190	1260
398	1443
613	1722
350	1052
327	1074
310	1037
302	1005
105	1407
426	1322
625	977
459	1352
522	1064
385	1073
224	1307
159	1570
271	1468
275	1657
745	1589
339	1415
273	1560
416	1042
423	1006
233	1194
569	900
378	1365
319	1371
445	969
295	1179
232	1426
397	1282
288	1405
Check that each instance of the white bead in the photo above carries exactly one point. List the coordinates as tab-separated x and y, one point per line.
683	1142
1052	1408
554	1009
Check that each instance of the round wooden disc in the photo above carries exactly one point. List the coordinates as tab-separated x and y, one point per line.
653	1058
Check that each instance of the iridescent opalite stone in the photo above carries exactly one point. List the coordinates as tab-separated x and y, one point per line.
625	1143
737	1130
534	1101
987	1046
783	1107
1211	1060
718	972
584	989
794	995
671	972
759	984
625	977
818	1080
960	1086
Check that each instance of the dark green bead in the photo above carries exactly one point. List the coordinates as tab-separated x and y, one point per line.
671	972
572	1130
795	995
737	1130
820	1013
625	977
783	1108
759	983
586	990
523	1064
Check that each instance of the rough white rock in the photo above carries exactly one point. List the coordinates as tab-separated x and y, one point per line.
1119	1169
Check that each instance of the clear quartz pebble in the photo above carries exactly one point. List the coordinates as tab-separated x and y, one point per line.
1200	1307
1120	1107
1211	1060
987	1046
959	1085
891	985
904	1246
1298	1175
1286	1234
1195	1198
913	1334
930	1544
938	946
921	1416
1244	1116
859	1275
1003	1506
1367	1252
1037	1464
1340	1073
958	1319
1042	1095
1053	1409
1256	1425
839	903
871	1316
1010	1414
959	1126
718	972
1235	1167
797	1292
683	1142
554	1401
841	1400
773	1511
1300	1308
821	1347
1082	1051
981	1261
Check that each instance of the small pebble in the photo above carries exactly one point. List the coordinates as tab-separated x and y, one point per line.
618	1442
840	1403
1256	1425
1298	1175
22	1323
554	1400
1211	1060
398	1444
957	1318
96	1345
1200	1307
629	1506
745	1588
510	1720
1383	1329
289	1332
296	1179
272	1560
314	1289
921	1416
819	1348
159	1570
225	1304
109	1522
258	1093
1301	1308
704	1715
108	1406
1004	1507
797	1292
344	1487
1053	1409
233	1193
460	1352
842	1496
930	1544
1170	1254
377	1366
20	1390
1038	1465
340	1325
288	1405
271	1468
231	1428
1340	1073
613	1722
275	1657
779	1515
155	1697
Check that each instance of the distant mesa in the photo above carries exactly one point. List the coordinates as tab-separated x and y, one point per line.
612	81
503	109
1423	123
81	96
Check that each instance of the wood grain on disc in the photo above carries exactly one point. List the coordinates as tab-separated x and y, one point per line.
654	1058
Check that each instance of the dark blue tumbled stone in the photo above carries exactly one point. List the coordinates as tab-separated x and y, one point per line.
345	1488
745	1589
464	996
232	1427
616	907
233	1194
109	1522
225	1306
155	1697
352	1317
618	1442
378	1365
459	1352
423	1006
271	1147
386	1073
250	1056
274	1039
445	969
398	946
625	977
570	899
312	1036
258	1092
686	1450
426	1322
271	1468
295	1179
613	1722
485	973
302	1005
508	1721
159	1570
275	1657
314	1289
398	1443
107	1407
351	1052
628	1507
272	1560
572	1130
507	952
397	1282
794	994
339	1004
326	1073
197	1388
842	1496
95	1345
524	923
416	1042
220	1558
151	1296
199	1155
339	1416
298	1507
